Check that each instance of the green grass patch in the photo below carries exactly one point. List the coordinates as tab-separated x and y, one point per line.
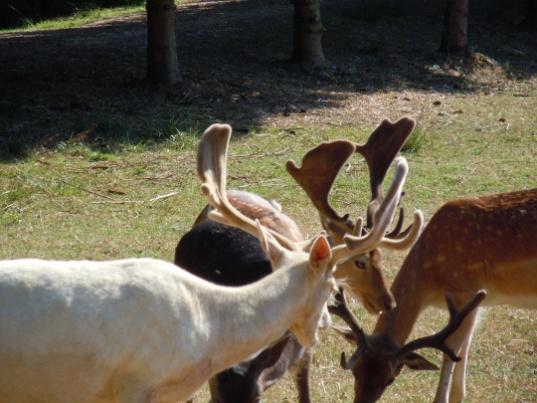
78	19
81	17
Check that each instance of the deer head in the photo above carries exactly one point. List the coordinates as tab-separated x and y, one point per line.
378	360
316	256
320	166
248	386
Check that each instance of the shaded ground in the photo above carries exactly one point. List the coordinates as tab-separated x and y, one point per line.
87	84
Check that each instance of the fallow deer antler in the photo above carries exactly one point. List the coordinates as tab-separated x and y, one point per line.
211	166
212	160
341	309
381	148
320	167
438	340
381	220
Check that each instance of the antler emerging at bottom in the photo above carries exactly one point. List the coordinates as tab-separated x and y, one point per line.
438	340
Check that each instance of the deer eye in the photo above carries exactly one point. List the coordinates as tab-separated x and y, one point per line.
359	264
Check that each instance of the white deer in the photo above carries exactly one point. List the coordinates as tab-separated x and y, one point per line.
142	330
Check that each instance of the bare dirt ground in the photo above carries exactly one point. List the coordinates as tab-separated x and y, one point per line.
88	83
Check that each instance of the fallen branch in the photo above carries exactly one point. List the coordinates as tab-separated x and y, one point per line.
152	200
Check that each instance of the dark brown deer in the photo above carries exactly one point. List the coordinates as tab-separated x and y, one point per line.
230	256
469	244
320	167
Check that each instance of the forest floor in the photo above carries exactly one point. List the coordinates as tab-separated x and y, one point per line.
87	84
96	163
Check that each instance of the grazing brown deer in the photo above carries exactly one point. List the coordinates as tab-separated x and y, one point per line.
469	244
320	166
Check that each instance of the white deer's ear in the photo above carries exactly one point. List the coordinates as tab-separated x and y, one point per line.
270	246
320	252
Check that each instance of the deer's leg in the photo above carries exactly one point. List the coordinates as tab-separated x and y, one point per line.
301	377
458	384
459	342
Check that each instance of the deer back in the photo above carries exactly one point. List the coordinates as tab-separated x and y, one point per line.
468	245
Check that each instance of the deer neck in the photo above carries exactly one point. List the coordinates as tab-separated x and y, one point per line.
410	293
252	316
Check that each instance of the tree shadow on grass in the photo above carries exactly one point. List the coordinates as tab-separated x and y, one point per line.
87	85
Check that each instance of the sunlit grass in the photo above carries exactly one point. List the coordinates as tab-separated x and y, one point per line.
81	17
78	203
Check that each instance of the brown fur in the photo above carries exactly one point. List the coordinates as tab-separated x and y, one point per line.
470	244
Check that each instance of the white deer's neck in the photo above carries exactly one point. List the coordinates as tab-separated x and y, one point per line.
243	320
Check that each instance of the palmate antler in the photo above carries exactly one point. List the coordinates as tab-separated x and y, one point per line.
437	340
382	218
212	170
212	160
341	309
379	151
321	165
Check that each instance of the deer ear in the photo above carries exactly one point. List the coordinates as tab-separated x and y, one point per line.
270	246
418	362
320	252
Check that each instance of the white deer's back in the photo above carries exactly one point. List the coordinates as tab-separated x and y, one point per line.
110	318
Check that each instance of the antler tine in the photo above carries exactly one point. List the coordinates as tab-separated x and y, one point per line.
397	229
212	168
319	169
407	237
212	157
356	245
379	151
341	309
455	319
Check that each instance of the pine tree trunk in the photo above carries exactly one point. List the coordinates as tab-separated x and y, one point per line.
308	32
531	14
455	32
162	65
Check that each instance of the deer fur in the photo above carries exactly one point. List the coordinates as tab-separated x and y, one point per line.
142	330
470	244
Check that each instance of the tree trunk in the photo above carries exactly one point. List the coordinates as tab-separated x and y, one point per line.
308	32
455	32
531	14
162	65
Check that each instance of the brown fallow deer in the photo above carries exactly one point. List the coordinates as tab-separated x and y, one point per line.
469	244
320	166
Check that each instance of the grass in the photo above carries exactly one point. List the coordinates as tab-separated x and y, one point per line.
80	18
64	204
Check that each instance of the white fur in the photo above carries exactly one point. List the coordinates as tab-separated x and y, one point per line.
139	330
